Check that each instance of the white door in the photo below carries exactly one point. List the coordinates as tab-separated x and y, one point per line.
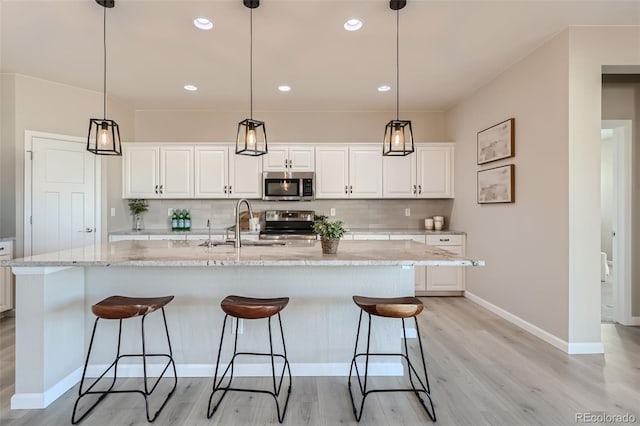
332	172
176	171
211	171
63	196
365	171
245	176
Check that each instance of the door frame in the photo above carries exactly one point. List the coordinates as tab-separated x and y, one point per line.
623	151
28	184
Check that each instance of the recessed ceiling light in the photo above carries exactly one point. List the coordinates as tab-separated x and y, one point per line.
384	88
203	23
353	24
190	87
284	88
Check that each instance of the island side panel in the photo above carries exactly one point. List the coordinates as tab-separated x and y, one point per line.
319	323
49	334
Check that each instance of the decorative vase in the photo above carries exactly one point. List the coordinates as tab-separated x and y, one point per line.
329	246
138	222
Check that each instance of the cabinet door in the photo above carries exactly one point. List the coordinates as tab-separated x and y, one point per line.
446	278
365	171
211	171
276	159
435	171
176	171
399	177
245	176
332	172
140	174
302	158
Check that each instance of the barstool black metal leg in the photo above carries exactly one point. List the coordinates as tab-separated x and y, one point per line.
276	388
432	413
286	360
363	386
216	382
103	394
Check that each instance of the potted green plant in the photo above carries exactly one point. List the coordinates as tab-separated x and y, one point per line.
137	207
329	232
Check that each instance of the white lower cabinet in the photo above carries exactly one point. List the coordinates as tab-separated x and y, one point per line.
6	277
446	278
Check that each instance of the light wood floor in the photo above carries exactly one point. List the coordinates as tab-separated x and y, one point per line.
483	371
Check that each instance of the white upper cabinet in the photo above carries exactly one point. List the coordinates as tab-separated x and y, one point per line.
245	176
349	171
365	171
332	171
220	173
427	173
296	158
211	171
157	171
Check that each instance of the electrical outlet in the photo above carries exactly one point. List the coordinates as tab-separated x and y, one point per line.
332	212
407	211
169	211
113	211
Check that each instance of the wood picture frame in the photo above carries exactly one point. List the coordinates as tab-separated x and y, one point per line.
497	185
496	142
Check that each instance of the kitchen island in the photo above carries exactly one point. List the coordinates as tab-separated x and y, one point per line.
55	292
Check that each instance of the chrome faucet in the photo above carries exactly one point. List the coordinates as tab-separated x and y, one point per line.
238	244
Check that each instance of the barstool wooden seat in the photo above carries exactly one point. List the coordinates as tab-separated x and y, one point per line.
250	308
120	308
395	307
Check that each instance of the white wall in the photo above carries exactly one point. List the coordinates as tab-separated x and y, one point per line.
525	244
590	49
46	106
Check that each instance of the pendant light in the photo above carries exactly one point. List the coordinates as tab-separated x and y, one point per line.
104	134
252	135
398	135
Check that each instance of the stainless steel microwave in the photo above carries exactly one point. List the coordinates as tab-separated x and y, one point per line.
288	186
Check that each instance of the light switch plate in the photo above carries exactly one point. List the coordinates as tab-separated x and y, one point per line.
407	211
169	211
113	211
332	212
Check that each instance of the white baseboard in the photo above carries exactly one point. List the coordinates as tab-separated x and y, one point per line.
24	401
251	370
635	321
570	348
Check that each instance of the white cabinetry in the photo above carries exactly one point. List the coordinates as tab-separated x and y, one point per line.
295	158
446	278
348	171
220	173
428	173
157	171
6	277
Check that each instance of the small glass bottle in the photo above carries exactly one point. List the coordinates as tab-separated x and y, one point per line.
174	221
187	221
181	220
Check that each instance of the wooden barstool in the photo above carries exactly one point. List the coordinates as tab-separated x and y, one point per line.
396	307
119	308
252	308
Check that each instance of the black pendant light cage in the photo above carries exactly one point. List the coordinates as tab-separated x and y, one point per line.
398	134
252	134
104	134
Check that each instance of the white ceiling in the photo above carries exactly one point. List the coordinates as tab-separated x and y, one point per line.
448	49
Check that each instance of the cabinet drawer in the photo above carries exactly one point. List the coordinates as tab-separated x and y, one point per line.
445	240
5	247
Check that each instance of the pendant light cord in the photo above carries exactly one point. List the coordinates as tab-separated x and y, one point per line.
397	64
104	81
251	62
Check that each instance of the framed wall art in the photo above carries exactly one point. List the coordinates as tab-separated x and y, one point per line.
497	142
497	185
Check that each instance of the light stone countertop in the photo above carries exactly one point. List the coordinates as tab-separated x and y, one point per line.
189	254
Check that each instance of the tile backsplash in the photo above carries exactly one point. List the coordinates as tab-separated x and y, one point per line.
374	214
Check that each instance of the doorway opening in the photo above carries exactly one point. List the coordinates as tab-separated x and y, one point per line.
615	221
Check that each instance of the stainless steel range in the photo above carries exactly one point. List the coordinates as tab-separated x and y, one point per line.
288	225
